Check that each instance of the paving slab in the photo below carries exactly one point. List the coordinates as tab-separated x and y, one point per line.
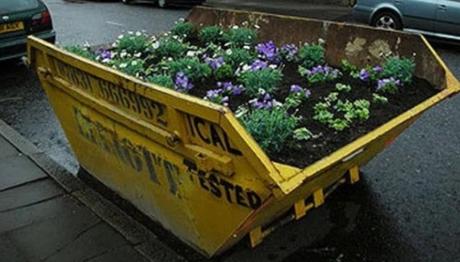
6	149
18	170
29	194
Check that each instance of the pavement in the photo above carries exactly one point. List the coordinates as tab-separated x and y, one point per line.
303	8
46	214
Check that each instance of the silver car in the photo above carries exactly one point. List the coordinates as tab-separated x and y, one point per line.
438	18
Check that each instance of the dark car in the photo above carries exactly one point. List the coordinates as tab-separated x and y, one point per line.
164	3
18	19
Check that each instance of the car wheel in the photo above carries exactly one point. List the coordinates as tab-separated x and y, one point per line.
387	20
126	2
162	3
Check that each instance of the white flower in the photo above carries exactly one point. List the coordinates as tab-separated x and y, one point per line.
191	53
228	52
170	59
134	63
273	66
123	65
257	26
114	44
246	68
130	32
235	27
321	41
138	33
247	47
138	54
120	36
155	45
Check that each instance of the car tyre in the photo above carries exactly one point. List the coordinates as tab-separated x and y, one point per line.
387	20
126	2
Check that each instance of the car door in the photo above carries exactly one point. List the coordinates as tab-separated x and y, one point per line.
448	17
418	14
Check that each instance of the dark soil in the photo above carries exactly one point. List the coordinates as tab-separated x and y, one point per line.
329	140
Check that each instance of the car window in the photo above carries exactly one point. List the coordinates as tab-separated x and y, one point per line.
10	6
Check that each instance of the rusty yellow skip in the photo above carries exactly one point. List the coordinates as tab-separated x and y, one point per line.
189	164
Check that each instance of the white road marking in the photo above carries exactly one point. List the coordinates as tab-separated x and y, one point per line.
115	23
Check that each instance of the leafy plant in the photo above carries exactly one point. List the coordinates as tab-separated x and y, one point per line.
266	79
378	99
311	55
224	72
130	66
169	47
303	134
81	51
183	29
361	110
343	88
296	96
161	80
240	36
192	67
211	34
289	52
270	128
348	68
237	56
319	74
388	85
399	68
133	43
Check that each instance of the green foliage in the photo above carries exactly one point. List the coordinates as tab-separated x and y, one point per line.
183	29
133	43
303	134
343	88
378	99
130	66
169	47
238	56
399	68
161	80
348	68
329	111
319	74
211	34
192	67
311	55
81	51
224	72
240	36
270	128
266	79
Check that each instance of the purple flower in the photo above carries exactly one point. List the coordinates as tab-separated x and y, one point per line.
364	75
265	101
182	82
105	55
268	51
215	63
258	65
230	89
289	51
388	85
377	69
217	96
296	89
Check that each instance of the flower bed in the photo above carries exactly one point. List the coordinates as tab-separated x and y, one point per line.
296	106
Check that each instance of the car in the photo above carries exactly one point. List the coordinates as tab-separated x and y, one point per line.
165	3
435	18
19	19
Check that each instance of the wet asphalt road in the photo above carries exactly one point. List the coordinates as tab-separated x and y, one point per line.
406	208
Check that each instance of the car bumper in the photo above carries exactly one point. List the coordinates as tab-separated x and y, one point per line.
17	47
